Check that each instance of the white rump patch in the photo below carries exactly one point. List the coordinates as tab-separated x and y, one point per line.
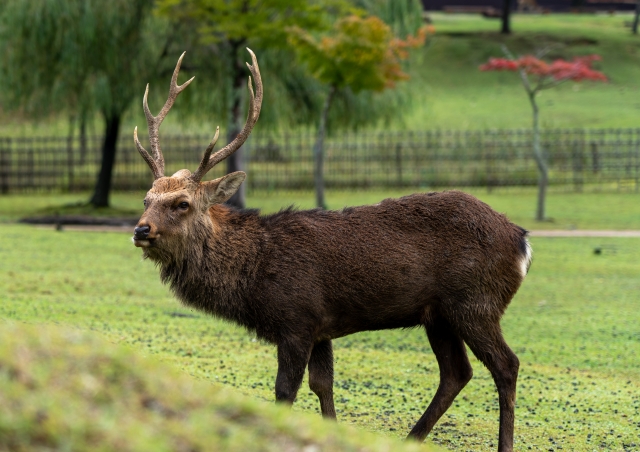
525	262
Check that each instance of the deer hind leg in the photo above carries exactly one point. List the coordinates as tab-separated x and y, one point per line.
292	360
321	377
486	342
455	373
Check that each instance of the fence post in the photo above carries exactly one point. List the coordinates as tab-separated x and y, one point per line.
31	167
399	163
576	157
5	165
70	162
595	157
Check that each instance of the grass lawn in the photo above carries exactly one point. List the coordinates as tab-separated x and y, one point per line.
574	325
565	210
451	93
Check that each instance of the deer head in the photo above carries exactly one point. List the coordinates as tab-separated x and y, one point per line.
179	206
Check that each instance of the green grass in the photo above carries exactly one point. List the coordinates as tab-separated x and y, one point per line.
447	90
63	389
451	93
574	325
565	210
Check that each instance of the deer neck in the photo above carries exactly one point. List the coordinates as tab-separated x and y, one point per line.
216	269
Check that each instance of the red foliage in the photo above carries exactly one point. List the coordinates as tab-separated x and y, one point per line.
576	70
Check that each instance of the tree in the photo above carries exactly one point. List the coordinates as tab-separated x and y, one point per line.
405	17
537	75
506	17
361	53
636	18
229	26
65	55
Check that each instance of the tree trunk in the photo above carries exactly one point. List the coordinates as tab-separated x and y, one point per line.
506	17
634	28
83	139
235	161
543	170
102	188
318	150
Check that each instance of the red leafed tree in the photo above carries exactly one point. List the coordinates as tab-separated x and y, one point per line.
537	75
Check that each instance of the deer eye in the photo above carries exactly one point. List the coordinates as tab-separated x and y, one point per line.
183	205
144	202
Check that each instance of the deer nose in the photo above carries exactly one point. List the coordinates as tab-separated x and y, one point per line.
141	232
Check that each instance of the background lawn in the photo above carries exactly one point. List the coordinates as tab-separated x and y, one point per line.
574	325
565	210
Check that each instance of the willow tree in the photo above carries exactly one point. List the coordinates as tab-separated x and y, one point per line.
230	26
66	55
360	53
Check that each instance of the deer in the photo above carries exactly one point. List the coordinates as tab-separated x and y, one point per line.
299	279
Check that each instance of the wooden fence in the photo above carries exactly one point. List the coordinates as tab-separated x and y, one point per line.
579	159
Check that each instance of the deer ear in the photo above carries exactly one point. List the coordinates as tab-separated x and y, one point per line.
219	190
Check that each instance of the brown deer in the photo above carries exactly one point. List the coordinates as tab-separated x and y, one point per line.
299	279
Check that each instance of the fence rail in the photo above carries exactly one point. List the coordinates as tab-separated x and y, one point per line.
601	159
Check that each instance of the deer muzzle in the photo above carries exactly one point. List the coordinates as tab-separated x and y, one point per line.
141	236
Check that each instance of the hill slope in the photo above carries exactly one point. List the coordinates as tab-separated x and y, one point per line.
62	389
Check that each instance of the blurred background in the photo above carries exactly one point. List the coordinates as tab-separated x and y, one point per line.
397	103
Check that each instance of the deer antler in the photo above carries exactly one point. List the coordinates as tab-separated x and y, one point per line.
208	160
156	163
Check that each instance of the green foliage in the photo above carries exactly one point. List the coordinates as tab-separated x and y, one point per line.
76	56
63	389
360	53
222	30
261	23
445	90
403	16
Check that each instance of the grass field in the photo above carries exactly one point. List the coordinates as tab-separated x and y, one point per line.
451	93
565	210
447	91
574	325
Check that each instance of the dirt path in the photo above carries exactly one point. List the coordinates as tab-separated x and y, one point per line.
539	233
585	233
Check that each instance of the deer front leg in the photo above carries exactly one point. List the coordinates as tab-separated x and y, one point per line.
321	377
292	360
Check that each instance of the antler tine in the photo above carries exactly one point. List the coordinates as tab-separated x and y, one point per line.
203	167
153	122
157	173
255	104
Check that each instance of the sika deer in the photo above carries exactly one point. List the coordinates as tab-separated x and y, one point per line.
299	279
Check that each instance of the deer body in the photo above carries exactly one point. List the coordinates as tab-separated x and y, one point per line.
299	279
330	274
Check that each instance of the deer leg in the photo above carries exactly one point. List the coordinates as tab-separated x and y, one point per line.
489	346
455	373
321	377
292	360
